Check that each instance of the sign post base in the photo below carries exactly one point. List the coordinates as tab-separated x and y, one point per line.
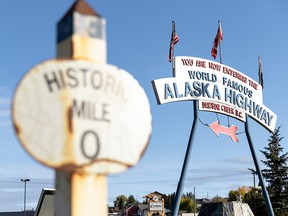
74	197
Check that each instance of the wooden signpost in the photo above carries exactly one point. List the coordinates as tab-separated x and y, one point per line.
81	116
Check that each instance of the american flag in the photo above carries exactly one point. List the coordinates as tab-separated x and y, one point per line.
218	39
174	40
260	72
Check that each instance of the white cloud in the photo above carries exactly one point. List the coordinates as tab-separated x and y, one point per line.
241	160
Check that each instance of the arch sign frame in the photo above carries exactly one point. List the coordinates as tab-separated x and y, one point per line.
218	88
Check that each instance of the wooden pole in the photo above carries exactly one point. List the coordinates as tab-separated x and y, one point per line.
79	193
89	194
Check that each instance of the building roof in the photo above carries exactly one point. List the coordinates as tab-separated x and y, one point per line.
45	204
154	193
143	207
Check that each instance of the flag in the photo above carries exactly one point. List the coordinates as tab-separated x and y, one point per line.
218	39
260	72
174	40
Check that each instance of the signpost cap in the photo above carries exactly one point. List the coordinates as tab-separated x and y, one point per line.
81	7
81	34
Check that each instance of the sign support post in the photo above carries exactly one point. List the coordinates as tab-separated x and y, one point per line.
74	194
77	114
264	190
180	186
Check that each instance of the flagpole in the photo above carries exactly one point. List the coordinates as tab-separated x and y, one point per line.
220	47
220	50
173	28
260	73
221	62
173	41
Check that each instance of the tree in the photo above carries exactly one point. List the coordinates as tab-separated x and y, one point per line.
120	202
237	195
131	200
255	201
168	200
190	195
276	172
233	195
187	204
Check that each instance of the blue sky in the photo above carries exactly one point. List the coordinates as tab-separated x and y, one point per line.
138	36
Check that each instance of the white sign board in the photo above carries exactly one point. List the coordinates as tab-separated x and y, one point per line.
212	106
155	206
229	91
81	116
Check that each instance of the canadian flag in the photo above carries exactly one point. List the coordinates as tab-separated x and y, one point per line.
218	39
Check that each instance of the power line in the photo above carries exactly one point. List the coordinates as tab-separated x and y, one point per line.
37	182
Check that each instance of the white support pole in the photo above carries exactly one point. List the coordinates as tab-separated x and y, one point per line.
89	194
80	194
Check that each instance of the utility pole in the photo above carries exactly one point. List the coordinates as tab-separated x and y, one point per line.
253	172
25	180
195	207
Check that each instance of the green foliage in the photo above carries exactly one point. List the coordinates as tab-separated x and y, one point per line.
186	203
168	200
276	176
190	195
233	195
131	200
255	201
120	202
276	172
237	195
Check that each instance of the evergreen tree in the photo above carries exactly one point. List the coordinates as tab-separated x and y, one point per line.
131	200
276	172
120	202
168	200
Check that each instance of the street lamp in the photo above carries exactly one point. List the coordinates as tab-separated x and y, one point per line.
25	180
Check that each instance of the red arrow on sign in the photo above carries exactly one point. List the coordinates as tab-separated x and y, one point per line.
216	128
